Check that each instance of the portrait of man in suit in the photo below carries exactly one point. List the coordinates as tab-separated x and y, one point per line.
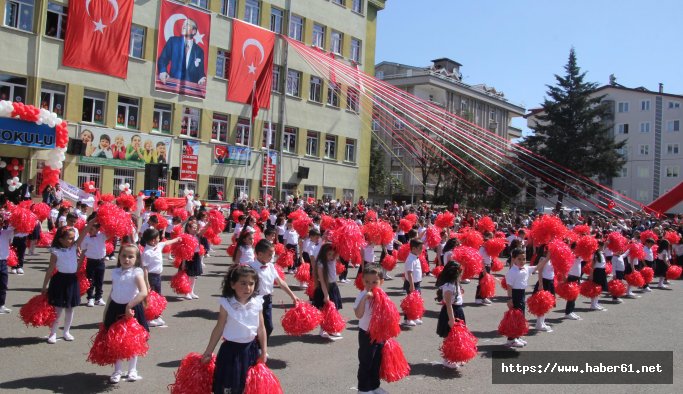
185	57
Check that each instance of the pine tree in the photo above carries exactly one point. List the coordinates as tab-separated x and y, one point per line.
574	131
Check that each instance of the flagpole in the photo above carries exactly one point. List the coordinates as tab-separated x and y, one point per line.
252	121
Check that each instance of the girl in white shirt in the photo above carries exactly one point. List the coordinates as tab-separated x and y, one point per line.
326	289
244	251
240	324
153	264
662	262
546	281
450	294
599	275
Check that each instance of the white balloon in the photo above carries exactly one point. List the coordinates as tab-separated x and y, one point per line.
11	188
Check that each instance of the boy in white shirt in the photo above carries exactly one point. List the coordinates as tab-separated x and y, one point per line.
413	275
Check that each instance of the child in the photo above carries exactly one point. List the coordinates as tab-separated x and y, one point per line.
486	260
312	248
244	251
63	292
93	245
193	268
649	261
413	275
598	275
161	153
148	153
517	279
369	353
618	268
546	281
239	226
153	264
267	277
128	290
104	149
450	294
326	290
119	148
291	241
19	244
240	323
573	276
630	265
6	234
662	262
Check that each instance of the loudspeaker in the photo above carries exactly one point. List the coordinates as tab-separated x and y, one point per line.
152	174
75	147
175	173
302	173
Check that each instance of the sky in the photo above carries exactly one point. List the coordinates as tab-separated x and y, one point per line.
517	46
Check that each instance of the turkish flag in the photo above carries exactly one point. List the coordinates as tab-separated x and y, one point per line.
251	65
98	36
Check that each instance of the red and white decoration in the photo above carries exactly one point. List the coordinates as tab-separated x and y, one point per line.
125	188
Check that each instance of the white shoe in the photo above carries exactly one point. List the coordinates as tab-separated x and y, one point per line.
662	286
409	323
366	392
631	295
13	271
194	296
207	255
133	376
68	336
161	321
646	290
571	316
100	302
4	310
418	322
618	300
514	343
91	303
52	339
487	301
115	377
522	341
187	297
20	271
543	328
380	390
153	323
388	277
479	302
449	364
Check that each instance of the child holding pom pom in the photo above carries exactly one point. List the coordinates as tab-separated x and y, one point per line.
618	268
486	260
649	260
128	290
93	246
546	281
517	279
153	264
291	241
244	251
573	276
449	293
240	324
413	275
598	275
193	268
326	289
6	234
662	262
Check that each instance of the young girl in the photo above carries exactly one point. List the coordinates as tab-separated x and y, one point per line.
573	275
662	262
281	226
240	324
291	241
326	290
599	275
119	148
128	290
369	353
6	234
449	293
546	281
649	260
63	292
193	268
486	261
153	264
244	251
517	279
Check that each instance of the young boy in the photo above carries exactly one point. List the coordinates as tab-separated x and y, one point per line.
94	248
6	235
413	275
369	353
517	279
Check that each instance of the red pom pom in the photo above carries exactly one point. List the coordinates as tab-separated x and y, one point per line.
413	306
303	273
83	282
125	338
635	279
162	222
371	215
673	237
184	249
348	239
635	251
285	260
333	321
411	217
298	214
202	251
673	272
310	289
586	247
648	234
12	259
181	213
485	224
358	282
405	225
561	257
107	197
126	201
23	220
567	290
616	288
216	221
261	380
504	284
38	312
587	268
180	283
302	226
471	238
340	268
384	323
546	228
648	274
494	246
265	215
424	265
540	303
582	229
156	303
231	249
513	324
41	210
436	271
80	224
327	223
160	204
114	221
109	246
301	319
487	286
616	242
46	238
403	252
444	220
193	376
433	237
280	272
280	249
389	262
99	350
590	289
469	259
460	346
235	215
496	265
608	268
374	231
394	366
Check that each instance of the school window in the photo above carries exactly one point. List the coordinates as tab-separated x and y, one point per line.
137	42
94	104
312	138
340	2
643	172
19	14
674	104
189	125
200	3
289	140
251	11
329	193
186	185
310	191
331	147
352	103
348	194
276	17
53	97
622	107
357	6
672	172
350	152
355	49
622	128
222	63
219	128
269	135
672	149
277	81
229	8
333	93
318	35
293	83
673	125
645	150
127	111
243	132
162	117
241	188
55	21
162	183
645	127
89	173
397	151
645	105
121	177
296	27
375	125
216	188
336	45
316	89
623	173
12	88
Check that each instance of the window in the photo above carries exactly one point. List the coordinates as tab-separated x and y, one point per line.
296	27
269	135
19	14
357	6
672	172
200	3
127	112
289	140
162	182
223	63
333	95
318	35
122	176
93	107
623	107
673	125
348	194
55	22
312	138
288	189
463	107
622	128
337	42
355	49
216	188
672	149
277	81
340	2
674	105
623	173
310	191
329	193
229	8
137	42
350	152
251	11
397	175
189	126
53	97
162	117
12	88
643	172
293	83
645	150
645	105
241	188
643	195
243	132
352	103
89	173
276	18
316	89
397	151
623	153
331	147
189	185
219	128
645	127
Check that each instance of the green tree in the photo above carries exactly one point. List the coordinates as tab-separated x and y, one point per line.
378	171
573	130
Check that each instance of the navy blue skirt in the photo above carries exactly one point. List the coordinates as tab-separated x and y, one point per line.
232	364
116	311
64	291
442	328
335	296
660	268
600	278
194	267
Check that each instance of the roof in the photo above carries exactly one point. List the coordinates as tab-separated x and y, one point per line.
446	59
638	89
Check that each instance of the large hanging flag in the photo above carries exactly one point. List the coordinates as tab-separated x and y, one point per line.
98	35
251	65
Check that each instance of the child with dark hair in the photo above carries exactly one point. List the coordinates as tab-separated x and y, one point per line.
413	275
369	352
449	293
662	262
326	289
153	264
